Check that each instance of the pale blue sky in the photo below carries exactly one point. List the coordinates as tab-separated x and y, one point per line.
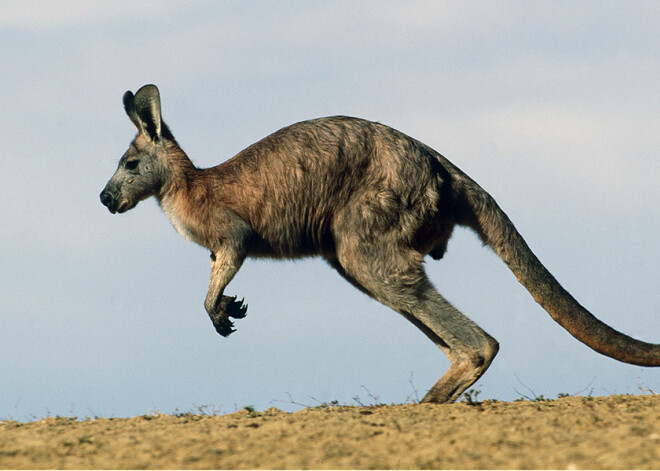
553	107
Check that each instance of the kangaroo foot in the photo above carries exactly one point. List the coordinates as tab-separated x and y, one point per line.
226	308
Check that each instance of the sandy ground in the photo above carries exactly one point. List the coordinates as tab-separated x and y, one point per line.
569	433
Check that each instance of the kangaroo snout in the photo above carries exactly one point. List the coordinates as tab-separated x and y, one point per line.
108	201
113	202
116	203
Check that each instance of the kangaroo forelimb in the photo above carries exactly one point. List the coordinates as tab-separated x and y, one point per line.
224	265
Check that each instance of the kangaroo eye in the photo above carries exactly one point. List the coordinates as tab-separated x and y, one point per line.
131	164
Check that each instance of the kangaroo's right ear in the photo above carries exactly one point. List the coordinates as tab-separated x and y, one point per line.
129	106
147	108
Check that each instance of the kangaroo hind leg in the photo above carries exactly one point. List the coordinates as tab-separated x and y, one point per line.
396	278
469	348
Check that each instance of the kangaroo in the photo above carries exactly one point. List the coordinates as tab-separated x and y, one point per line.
370	200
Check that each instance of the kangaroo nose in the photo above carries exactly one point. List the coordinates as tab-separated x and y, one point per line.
106	198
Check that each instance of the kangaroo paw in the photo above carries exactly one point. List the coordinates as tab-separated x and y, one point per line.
222	324
227	308
233	308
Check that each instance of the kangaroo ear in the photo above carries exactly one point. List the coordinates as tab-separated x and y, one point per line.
129	106
144	110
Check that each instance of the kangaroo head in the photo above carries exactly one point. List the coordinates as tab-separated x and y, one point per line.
142	170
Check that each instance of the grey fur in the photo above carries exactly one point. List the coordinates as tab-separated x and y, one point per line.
365	197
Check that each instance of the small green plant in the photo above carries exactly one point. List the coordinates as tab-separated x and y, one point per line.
470	397
251	411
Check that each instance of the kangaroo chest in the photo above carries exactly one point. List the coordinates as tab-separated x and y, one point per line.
183	227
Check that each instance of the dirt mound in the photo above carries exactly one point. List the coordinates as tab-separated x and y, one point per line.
568	433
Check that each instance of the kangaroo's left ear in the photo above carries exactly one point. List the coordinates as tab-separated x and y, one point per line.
143	109
129	106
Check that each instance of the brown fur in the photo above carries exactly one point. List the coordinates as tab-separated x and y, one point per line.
367	198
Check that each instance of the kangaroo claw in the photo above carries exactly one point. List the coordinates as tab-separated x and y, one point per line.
233	308
223	325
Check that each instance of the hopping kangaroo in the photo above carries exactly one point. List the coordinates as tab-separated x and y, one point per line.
365	197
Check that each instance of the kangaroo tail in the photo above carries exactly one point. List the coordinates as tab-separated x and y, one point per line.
478	210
